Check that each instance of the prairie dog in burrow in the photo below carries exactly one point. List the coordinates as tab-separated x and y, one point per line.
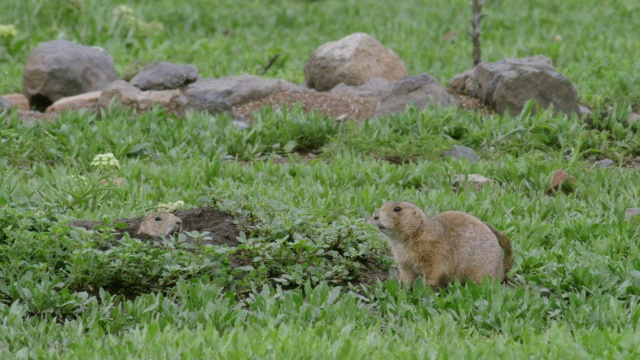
451	245
160	224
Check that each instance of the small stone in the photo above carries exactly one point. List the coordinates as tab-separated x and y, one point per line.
201	99
458	152
163	98
117	182
631	213
561	181
584	111
418	90
375	88
83	101
632	118
241	124
5	104
242	89
18	100
124	93
475	180
603	163
165	76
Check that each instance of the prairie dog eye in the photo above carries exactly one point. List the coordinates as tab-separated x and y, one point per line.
158	218
397	209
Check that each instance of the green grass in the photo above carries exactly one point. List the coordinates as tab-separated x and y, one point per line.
70	293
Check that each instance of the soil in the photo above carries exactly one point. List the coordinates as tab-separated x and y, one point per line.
222	231
219	224
470	103
338	107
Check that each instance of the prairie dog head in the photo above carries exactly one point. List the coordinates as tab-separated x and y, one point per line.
160	224
398	220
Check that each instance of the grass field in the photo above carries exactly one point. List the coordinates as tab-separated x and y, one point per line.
70	293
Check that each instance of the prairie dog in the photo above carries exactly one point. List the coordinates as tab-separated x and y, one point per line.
451	245
160	224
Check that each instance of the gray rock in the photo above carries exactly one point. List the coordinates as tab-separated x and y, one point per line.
5	104
241	124
77	102
59	68
242	89
121	92
631	213
584	111
201	99
127	95
165	76
377	88
18	100
419	90
508	84
165	98
476	180
352	60
603	163
458	152
632	118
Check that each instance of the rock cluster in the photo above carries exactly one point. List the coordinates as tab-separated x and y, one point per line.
356	70
508	84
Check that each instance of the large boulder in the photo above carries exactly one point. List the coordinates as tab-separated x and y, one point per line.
165	76
59	68
352	60
418	90
242	89
508	84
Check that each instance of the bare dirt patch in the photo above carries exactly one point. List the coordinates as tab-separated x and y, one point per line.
338	107
218	224
470	103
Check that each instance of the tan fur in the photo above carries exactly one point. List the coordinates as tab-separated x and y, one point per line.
451	245
160	224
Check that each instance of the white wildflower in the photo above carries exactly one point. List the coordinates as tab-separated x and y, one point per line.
8	31
78	178
122	10
106	161
170	207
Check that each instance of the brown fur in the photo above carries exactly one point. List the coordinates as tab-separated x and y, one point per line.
160	224
451	245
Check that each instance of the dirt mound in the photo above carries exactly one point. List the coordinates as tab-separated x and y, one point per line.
222	231
339	107
219	224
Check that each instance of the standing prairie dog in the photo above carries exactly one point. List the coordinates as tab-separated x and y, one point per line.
451	245
160	224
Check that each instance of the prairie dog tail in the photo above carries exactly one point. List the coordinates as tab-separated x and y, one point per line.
505	244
